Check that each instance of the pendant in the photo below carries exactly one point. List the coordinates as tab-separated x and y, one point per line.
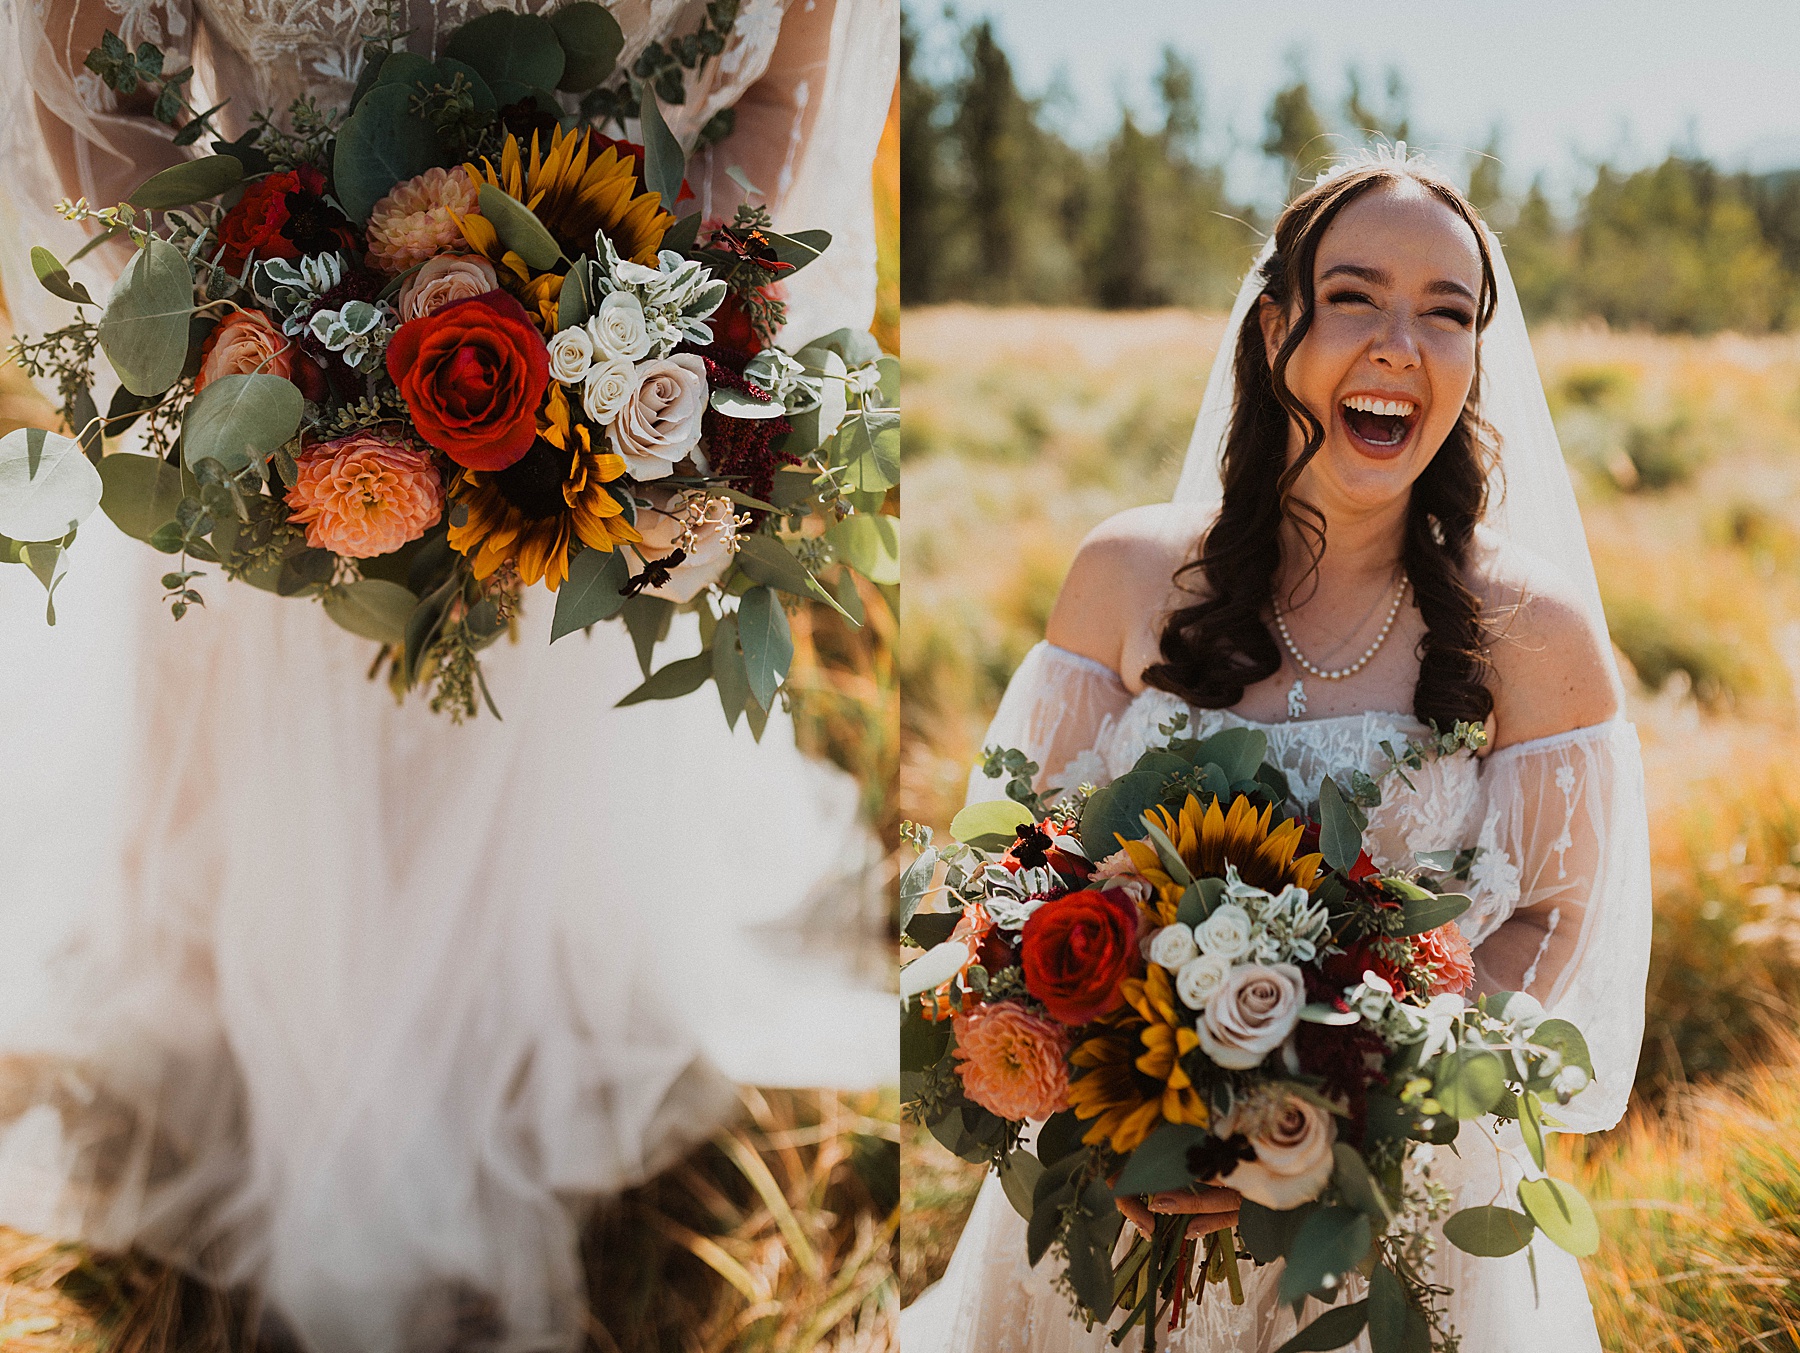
1297	699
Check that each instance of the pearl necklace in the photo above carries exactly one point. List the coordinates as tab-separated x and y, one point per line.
1297	695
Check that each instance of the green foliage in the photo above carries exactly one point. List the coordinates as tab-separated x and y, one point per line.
997	207
47	486
144	331
382	143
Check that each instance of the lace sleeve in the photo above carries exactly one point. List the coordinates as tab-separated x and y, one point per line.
1057	709
1563	886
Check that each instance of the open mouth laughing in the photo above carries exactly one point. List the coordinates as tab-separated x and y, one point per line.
1380	426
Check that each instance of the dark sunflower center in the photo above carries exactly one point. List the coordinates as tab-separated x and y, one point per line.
534	482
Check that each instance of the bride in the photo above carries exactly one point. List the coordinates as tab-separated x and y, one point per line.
1374	531
306	990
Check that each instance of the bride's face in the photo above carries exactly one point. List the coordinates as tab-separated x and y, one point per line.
1389	358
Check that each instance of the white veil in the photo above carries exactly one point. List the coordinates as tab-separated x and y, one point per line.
1530	500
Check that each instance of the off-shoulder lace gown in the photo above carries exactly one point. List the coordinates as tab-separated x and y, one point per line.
348	1001
1561	909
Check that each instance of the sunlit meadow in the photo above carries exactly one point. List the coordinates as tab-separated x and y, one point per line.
1024	428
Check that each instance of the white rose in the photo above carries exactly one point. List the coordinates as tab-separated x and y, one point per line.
609	384
1254	1009
1172	946
658	423
1293	1158
1225	933
704	528
1199	978
619	330
571	355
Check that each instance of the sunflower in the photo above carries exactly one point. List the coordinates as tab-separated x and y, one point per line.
575	194
532	512
1207	840
1135	1078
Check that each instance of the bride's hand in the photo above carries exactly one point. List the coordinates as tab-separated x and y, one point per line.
1213	1209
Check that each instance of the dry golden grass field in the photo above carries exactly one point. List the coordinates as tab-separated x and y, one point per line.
1024	428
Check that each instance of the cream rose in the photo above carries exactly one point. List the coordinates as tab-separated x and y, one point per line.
1293	1157
245	343
1172	946
658	422
620	329
1253	1010
447	278
571	355
1199	978
608	386
1225	933
704	528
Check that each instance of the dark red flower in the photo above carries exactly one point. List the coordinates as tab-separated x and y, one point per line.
741	449
284	216
1364	868
733	328
1077	951
1347	969
473	375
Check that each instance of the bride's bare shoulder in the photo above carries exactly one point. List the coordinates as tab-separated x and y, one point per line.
1123	579
1551	662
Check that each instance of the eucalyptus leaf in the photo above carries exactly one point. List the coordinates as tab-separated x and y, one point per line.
869	543
1358	1187
144	328
305	572
1268	1234
799	248
1468	1082
1117	810
992	818
1387	1311
191	181
519	229
381	144
1433	910
1340	840
520	49
665	163
47	486
1160	1164
1335	1329
1491	1232
372	608
857	347
238	420
1330	1243
141	493
674	681
766	560
571	304
1531	1125
915	879
1559	1036
1238	752
1562	1214
767	643
591	40
592	592
731	676
55	277
1019	1174
47	561
737	404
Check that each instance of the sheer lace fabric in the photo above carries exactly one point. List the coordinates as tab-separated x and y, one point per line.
306	988
1562	910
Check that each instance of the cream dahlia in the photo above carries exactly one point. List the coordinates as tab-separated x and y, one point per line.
417	221
364	495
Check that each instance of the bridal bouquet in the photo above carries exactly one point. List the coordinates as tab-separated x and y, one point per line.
1180	980
412	356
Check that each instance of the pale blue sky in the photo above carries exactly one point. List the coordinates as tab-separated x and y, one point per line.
1570	83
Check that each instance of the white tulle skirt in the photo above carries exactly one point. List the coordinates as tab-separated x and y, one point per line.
304	988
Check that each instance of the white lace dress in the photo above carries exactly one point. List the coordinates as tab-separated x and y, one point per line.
1562	910
310	990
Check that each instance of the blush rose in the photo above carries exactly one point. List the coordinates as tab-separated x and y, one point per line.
245	342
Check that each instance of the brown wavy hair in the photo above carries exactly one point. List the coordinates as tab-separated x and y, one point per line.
1215	649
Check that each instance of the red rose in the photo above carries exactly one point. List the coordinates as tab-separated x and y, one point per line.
473	375
1077	950
284	216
